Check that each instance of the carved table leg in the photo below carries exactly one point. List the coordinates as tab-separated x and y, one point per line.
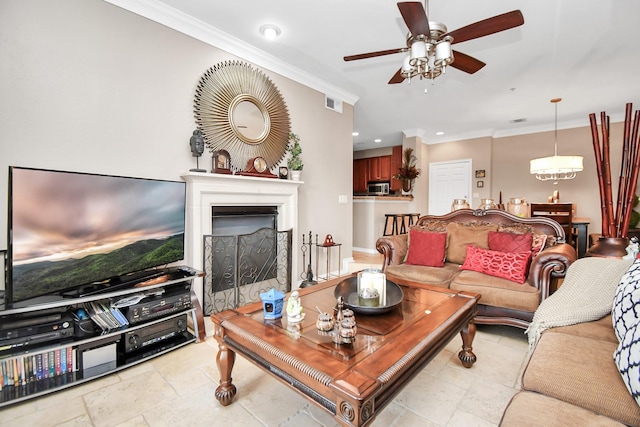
466	355
225	360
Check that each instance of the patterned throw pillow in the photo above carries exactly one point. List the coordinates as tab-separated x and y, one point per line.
537	244
510	242
625	313
516	228
627	358
426	248
507	265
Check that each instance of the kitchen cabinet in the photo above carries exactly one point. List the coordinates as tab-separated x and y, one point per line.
380	168
360	175
396	162
377	169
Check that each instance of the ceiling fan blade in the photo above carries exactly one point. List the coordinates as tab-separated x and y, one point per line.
374	54
415	17
397	77
466	63
488	26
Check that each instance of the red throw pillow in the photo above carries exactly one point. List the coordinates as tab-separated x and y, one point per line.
510	242
426	248
507	265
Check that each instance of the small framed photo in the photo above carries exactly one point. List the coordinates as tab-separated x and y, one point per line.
480	173
480	184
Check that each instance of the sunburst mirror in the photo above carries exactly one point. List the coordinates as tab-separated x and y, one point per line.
240	110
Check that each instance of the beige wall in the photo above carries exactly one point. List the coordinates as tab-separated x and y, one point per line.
506	162
511	168
88	86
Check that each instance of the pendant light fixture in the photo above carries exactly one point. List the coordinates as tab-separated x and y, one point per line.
556	167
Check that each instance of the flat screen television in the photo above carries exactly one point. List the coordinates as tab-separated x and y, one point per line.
71	232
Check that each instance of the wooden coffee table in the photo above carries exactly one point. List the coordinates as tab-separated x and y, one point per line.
353	381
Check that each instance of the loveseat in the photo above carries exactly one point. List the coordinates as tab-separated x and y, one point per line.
581	369
453	251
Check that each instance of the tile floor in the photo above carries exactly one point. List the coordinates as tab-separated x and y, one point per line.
177	389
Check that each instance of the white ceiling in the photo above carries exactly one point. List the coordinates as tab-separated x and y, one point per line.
583	51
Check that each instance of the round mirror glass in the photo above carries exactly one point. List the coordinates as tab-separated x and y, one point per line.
249	121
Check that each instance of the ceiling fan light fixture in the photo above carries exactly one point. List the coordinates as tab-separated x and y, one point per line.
408	70
444	54
418	53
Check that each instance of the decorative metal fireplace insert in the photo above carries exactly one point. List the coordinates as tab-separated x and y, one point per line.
240	267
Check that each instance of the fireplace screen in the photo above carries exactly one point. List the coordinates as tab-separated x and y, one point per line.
239	268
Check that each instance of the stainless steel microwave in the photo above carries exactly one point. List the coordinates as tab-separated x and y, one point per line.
378	188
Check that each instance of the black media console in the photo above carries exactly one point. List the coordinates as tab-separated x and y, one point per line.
57	344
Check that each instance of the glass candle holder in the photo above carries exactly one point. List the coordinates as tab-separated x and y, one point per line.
487	204
519	207
459	204
376	279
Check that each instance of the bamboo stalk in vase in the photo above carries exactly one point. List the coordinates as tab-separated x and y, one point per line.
633	180
598	155
606	170
625	170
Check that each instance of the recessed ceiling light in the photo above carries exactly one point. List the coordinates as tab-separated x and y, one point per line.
377	140
355	134
440	133
270	31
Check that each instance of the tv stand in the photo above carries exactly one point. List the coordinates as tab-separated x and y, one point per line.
41	353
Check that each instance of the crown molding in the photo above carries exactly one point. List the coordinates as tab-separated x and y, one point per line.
186	24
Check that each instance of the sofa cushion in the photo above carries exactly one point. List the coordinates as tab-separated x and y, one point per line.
580	371
625	312
426	248
528	409
498	292
510	242
507	265
437	276
461	235
597	329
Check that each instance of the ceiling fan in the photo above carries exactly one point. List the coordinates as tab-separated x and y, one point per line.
429	43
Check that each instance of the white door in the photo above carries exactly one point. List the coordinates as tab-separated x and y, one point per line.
448	181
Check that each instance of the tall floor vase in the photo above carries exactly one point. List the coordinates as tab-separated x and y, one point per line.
609	247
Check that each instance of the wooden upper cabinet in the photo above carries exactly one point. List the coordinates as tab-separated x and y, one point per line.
360	174
396	162
380	168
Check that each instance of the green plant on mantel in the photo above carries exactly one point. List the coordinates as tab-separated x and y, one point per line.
295	150
408	170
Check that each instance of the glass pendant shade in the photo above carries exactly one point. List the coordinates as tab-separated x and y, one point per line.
444	55
418	52
408	70
555	167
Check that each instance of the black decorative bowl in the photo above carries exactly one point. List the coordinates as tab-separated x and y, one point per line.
348	290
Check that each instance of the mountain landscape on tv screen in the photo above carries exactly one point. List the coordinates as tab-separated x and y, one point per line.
48	277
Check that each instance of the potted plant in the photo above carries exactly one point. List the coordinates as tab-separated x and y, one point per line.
408	172
295	161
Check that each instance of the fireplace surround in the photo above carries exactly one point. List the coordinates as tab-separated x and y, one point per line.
205	190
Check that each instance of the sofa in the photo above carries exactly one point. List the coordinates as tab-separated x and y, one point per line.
583	371
514	263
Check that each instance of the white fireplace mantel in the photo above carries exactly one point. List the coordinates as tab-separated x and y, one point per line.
205	190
